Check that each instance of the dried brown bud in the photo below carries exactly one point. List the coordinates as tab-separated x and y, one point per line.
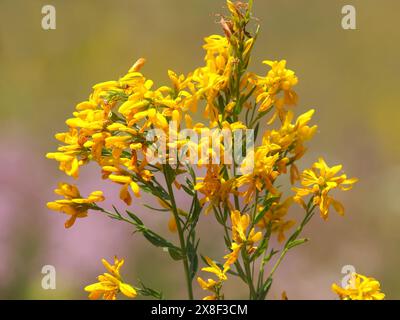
226	27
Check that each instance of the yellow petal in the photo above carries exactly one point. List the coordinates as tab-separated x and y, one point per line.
338	207
127	290
172	224
120	179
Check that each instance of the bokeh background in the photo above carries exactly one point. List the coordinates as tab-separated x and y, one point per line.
349	76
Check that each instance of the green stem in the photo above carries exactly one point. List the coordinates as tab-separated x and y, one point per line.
308	216
260	280
180	233
278	262
250	283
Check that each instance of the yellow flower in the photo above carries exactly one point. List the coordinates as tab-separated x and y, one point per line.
210	284
278	79
117	144
72	155
232	257
126	181
151	117
215	188
68	163
209	85
73	204
110	284
240	224
213	268
318	181
264	171
217	53
97	144
360	287
241	238
276	216
291	137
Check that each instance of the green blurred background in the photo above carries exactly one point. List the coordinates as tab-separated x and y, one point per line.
349	76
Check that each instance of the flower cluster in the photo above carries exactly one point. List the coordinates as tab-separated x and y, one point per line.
73	204
143	138
110	283
242	239
359	287
318	181
214	286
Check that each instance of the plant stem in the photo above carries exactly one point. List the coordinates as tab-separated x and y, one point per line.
308	216
278	262
180	233
250	283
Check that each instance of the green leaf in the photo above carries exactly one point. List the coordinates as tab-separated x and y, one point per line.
271	254
156	239
116	211
148	292
221	104
296	243
260	249
134	217
194	265
203	258
227	242
256	129
267	205
156	209
189	191
238	107
191	248
175	253
265	288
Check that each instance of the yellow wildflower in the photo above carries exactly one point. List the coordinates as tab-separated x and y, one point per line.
217	53
360	287
151	117
126	181
318	181
213	268
73	204
276	216
117	144
240	223
263	174
232	257
72	155
210	284
291	137
215	188
278	79
110	283
97	144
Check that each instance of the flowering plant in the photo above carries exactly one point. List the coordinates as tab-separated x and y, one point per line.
144	139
